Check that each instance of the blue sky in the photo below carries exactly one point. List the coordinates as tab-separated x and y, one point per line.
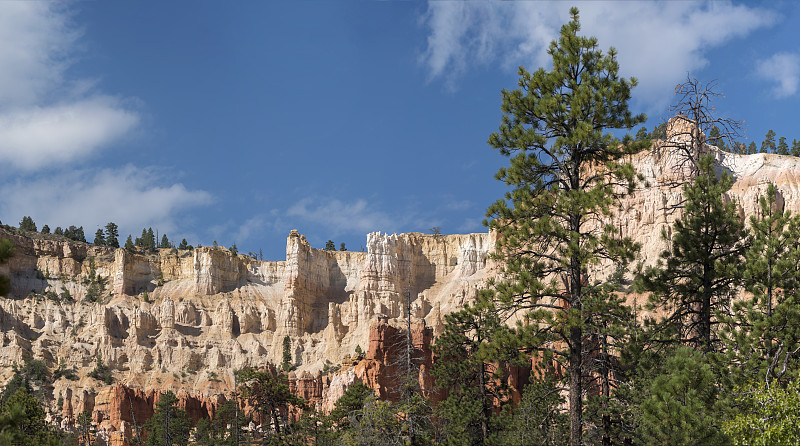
239	121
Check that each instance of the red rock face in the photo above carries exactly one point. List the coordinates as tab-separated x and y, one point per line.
116	408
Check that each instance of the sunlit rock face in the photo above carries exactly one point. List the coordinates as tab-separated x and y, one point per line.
183	320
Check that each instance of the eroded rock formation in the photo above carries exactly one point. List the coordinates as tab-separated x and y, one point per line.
183	320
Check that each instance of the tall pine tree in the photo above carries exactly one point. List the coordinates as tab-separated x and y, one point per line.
563	173
700	270
764	336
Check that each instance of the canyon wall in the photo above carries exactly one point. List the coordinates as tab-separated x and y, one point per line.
183	320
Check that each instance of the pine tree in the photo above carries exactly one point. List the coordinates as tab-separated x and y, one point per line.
269	396
553	130
140	241
6	252
795	151
751	148
764	335
112	235
330	246
682	407
99	239
715	138
45	229
169	425
27	224
184	244
700	269
58	231
149	240
287	354
463	373
75	234
783	147
768	145
129	246
164	241
342	247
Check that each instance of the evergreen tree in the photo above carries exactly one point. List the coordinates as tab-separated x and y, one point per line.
58	231
342	247
642	134
683	407
699	273
129	246
45	229
350	403
766	415
751	148
6	252
715	138
75	234
783	147
99	239
112	235
149	240
538	418
287	354
330	246
764	336
795	150
768	145
463	373
269	396
85	430
184	244
547	233
27	224
140	241
234	250
164	241
169	425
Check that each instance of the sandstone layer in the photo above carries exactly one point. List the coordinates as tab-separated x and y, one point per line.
183	320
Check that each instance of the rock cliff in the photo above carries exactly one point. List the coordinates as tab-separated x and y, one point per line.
183	320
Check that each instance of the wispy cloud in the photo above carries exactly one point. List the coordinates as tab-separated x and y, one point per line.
783	69
131	197
46	117
658	42
341	217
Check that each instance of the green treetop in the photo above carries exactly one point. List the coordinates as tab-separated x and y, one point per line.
783	146
768	145
27	224
112	235
99	238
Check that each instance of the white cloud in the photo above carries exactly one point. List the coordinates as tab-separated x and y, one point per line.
340	217
45	117
657	42
129	197
784	70
37	137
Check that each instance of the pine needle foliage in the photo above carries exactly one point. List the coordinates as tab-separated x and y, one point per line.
565	175
699	273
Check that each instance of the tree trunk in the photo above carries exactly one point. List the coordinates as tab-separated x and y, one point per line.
575	388
486	410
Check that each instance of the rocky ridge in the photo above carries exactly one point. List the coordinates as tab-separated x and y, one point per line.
183	320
